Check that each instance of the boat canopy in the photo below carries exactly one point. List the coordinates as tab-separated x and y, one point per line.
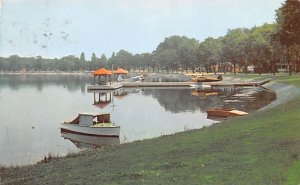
89	119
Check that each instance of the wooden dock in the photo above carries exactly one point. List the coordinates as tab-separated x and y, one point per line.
110	87
157	84
116	86
248	84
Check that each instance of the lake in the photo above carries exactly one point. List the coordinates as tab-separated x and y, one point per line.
33	106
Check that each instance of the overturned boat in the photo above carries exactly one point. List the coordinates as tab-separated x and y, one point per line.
91	124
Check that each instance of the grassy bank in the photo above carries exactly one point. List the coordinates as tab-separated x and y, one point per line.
263	148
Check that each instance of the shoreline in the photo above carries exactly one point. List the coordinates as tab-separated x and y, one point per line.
46	73
283	92
88	156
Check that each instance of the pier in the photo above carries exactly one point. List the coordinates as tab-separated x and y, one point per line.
110	87
115	86
157	84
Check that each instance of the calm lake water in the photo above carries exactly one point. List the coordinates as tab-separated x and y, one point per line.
32	107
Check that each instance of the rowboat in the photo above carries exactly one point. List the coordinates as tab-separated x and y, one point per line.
200	78
225	112
91	124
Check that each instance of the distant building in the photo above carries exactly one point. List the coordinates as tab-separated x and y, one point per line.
282	66
251	68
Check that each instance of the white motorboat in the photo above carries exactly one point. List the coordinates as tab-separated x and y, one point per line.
91	124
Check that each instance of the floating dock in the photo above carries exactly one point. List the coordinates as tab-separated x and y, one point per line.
157	84
248	84
109	87
116	86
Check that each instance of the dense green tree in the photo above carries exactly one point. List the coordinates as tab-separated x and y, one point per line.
103	59
14	63
37	65
288	19
184	50
237	47
261	53
121	59
209	54
93	62
82	56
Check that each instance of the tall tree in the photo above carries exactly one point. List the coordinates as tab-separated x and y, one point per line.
182	48
82	57
262	52
14	63
288	19
93	62
208	54
234	47
37	65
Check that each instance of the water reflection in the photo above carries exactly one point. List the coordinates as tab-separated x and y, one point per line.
69	81
101	100
120	93
83	141
247	99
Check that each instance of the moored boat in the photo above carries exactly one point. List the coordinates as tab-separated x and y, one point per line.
202	78
225	112
92	124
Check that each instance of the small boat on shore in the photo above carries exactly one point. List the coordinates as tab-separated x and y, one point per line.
201	78
225	112
91	124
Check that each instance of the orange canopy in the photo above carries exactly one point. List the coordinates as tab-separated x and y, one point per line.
120	71
102	71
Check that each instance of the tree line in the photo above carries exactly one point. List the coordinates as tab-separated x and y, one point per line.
262	47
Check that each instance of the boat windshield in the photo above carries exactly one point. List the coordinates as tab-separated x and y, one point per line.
103	118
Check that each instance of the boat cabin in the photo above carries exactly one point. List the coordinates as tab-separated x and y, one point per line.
89	119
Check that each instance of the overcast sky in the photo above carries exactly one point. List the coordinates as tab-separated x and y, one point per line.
55	28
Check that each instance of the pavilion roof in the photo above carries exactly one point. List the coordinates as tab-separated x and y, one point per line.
120	71
102	71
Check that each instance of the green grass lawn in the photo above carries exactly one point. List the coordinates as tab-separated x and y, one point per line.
262	148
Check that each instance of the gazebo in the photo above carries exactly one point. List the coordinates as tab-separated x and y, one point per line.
102	72
119	71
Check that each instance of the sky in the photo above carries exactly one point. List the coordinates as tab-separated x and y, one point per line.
56	28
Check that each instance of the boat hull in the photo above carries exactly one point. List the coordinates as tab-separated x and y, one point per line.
205	80
91	131
225	113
